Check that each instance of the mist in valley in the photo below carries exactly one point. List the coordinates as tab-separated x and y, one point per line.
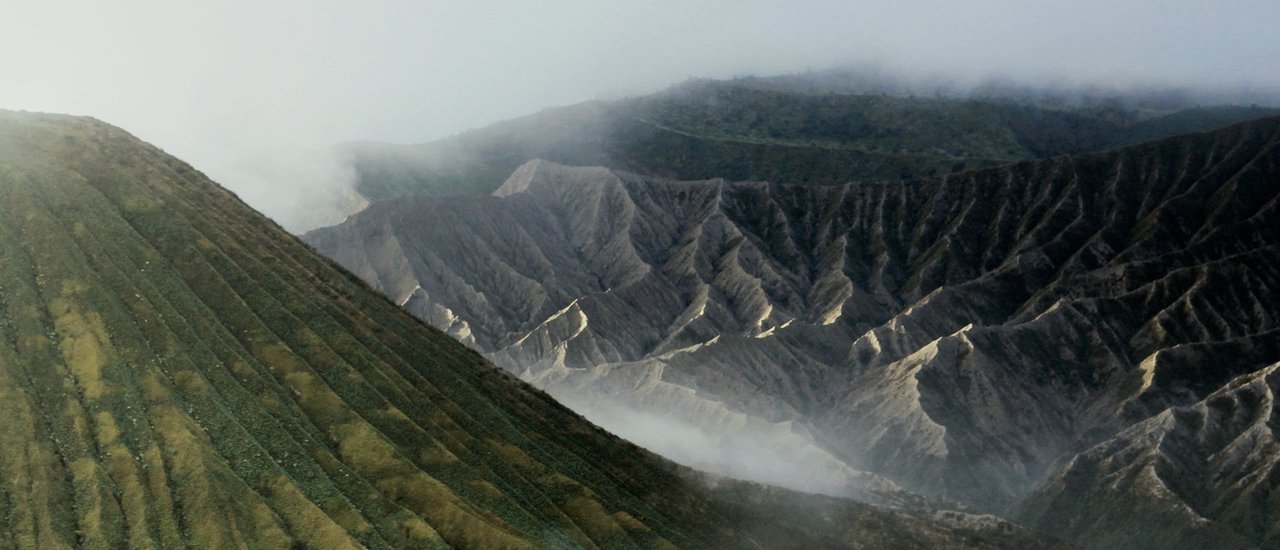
774	454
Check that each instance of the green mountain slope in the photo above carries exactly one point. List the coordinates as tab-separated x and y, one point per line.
743	130
176	370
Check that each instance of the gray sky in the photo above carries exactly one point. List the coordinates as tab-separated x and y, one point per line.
217	81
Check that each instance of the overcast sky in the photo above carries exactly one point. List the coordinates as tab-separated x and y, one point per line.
216	81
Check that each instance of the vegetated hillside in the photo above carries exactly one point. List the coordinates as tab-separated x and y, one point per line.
740	130
177	371
1148	99
958	336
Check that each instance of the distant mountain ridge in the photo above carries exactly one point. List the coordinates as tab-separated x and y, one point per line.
769	130
961	336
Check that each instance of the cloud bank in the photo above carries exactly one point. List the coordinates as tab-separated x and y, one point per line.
221	84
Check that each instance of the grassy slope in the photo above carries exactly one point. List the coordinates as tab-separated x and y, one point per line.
740	132
177	370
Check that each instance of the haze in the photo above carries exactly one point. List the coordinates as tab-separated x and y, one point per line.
248	91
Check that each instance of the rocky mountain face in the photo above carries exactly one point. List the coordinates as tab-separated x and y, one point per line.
974	338
1201	475
177	371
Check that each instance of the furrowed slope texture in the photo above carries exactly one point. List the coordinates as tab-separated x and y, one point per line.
955	335
741	131
176	370
1201	476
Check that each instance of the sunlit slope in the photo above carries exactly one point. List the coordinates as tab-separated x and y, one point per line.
175	370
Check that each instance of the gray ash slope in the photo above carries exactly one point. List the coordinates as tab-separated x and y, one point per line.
960	337
1199	476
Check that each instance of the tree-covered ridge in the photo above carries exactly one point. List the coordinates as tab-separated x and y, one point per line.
747	130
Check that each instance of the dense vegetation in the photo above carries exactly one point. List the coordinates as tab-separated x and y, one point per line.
759	130
177	371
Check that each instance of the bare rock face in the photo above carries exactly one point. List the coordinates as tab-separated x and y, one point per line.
958	337
1200	476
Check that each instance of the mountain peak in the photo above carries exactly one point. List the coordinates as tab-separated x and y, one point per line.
538	173
519	180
